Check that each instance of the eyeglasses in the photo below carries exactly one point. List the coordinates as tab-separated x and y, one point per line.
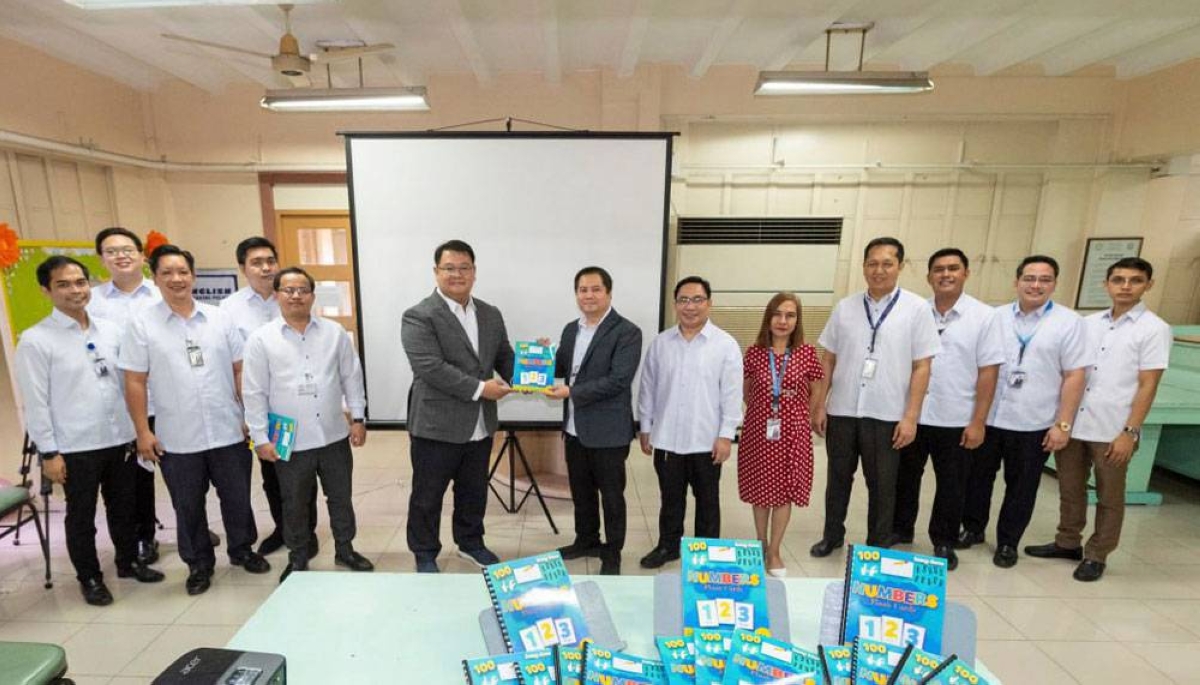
1043	280
695	299
460	270
120	251
290	292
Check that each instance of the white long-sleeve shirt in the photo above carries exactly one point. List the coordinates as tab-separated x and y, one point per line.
69	405
691	390
249	310
303	376
197	406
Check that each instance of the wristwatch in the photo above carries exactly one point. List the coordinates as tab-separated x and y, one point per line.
358	421
1135	432
1063	426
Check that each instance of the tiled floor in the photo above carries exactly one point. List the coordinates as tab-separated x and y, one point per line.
1141	623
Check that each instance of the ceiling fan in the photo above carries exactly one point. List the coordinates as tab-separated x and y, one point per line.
288	61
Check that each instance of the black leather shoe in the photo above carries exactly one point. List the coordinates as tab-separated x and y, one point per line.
95	592
968	539
1088	571
824	547
1051	550
293	565
657	557
198	581
147	551
576	550
314	547
947	552
253	563
353	561
141	572
214	538
272	543
1005	556
610	564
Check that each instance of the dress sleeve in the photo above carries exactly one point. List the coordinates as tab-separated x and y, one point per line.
812	365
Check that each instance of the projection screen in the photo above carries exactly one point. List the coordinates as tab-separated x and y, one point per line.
535	207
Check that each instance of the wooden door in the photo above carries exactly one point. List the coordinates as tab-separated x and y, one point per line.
320	243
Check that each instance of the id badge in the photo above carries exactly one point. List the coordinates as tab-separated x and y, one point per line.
307	387
869	368
195	355
774	429
1016	378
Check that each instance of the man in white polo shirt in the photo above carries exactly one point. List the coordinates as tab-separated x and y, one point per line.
190	354
1037	395
879	345
962	384
1130	347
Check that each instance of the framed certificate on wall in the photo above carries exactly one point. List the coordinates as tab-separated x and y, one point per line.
1102	253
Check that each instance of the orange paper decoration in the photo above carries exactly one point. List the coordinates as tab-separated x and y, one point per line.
155	240
10	253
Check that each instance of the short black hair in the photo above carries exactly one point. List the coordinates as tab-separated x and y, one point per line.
605	277
885	241
452	246
53	263
948	252
1038	259
117	230
295	271
167	251
694	279
1136	263
251	243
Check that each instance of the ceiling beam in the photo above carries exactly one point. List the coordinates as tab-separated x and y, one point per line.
631	50
1027	39
122	39
552	60
734	17
467	43
806	30
953	32
1168	51
1121	36
79	49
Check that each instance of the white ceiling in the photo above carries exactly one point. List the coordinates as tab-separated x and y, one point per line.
554	37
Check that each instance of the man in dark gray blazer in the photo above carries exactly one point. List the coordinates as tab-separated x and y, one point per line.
455	344
598	356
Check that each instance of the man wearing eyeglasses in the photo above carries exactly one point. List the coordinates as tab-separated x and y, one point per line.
879	347
456	344
1038	391
301	367
1130	346
251	307
690	406
74	411
121	253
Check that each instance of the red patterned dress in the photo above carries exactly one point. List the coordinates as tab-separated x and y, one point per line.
773	473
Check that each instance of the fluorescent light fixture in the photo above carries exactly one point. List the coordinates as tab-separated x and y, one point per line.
841	82
346	100
133	4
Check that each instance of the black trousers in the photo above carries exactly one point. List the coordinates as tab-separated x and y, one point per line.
675	473
951	468
436	464
1023	458
109	472
334	465
145	516
273	489
847	440
597	477
187	477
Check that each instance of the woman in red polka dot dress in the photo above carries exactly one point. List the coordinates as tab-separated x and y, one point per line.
775	454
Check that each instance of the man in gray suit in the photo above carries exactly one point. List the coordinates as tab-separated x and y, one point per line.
455	344
598	356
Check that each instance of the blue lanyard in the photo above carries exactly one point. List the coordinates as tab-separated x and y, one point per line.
777	378
882	317
1026	339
